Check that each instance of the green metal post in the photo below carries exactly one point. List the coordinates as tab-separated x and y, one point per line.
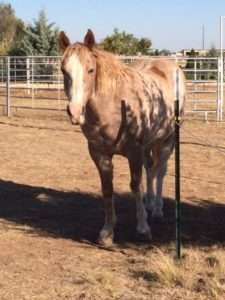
177	167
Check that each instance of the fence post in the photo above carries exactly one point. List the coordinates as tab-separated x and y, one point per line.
218	89
28	73
8	104
2	68
222	67
32	81
195	85
58	81
195	69
222	89
177	165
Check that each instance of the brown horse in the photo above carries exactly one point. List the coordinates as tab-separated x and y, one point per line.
126	110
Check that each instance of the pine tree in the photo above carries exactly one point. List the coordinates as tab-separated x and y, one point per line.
39	38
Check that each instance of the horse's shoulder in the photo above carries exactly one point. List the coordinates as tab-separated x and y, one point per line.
160	68
158	71
163	68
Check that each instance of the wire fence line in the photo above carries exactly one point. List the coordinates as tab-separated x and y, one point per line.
36	83
197	179
200	142
204	142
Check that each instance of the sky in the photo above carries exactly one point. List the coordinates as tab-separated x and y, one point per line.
170	24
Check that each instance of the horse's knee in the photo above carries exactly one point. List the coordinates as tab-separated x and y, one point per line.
107	185
148	161
135	185
105	168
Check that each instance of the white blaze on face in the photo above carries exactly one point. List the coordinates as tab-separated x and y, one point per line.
76	89
75	69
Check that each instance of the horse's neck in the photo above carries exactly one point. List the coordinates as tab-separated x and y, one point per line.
110	73
113	85
92	111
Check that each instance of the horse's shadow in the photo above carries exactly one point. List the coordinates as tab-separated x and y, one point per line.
79	216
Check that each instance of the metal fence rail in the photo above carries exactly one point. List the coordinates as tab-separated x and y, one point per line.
36	83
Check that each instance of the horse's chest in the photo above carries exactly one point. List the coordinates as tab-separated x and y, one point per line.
99	136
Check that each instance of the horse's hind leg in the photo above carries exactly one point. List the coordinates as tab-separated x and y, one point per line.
105	167
156	171
164	154
135	165
150	165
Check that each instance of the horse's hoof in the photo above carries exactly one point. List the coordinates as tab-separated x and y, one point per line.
105	238
106	243
148	202
148	206
157	215
144	236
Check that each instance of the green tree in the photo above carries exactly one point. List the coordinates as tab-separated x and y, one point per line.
123	43
191	64
39	38
212	64
164	52
156	52
11	28
213	52
192	53
144	45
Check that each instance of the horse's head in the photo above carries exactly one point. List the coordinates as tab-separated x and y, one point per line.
79	70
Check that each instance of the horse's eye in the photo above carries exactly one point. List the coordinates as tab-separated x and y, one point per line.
90	70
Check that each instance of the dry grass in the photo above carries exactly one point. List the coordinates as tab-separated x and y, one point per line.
197	272
50	214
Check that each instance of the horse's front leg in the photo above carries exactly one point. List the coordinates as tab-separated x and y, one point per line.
104	165
151	178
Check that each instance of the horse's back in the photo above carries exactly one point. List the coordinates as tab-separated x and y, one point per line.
163	72
161	67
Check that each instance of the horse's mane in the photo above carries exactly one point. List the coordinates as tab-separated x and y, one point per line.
110	71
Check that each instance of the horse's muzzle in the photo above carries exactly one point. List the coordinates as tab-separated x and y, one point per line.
75	113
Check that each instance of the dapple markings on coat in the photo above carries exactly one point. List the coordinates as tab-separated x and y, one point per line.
126	110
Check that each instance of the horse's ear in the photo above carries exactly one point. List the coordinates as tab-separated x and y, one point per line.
64	41
89	39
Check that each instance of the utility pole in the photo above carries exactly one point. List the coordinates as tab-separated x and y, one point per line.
203	37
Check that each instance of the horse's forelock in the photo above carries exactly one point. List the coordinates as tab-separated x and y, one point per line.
78	49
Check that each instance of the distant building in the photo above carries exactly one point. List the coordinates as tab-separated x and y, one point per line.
194	52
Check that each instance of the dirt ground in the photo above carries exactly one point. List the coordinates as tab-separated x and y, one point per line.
51	213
